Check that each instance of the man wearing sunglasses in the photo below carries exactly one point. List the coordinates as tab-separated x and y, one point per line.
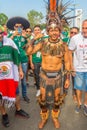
74	31
78	45
17	24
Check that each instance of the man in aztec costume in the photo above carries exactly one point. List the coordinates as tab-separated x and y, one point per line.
54	54
17	24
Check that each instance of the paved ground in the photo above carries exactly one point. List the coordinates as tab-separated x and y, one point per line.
68	118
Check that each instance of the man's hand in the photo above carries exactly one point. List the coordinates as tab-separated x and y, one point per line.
73	72
14	34
38	36
32	66
67	83
21	74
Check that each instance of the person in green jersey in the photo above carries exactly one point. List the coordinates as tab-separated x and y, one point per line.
17	24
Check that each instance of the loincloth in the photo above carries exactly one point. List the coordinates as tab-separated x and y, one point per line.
50	79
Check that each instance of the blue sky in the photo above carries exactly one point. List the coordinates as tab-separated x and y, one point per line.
22	7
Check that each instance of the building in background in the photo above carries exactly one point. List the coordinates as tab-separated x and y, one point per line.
78	19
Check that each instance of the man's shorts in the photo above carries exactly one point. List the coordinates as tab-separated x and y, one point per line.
80	81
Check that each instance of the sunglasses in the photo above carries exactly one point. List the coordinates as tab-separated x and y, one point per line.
84	27
18	26
73	32
28	31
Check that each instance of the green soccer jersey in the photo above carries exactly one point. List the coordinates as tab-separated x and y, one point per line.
20	41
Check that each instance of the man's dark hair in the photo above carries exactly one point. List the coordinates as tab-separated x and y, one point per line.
74	28
37	26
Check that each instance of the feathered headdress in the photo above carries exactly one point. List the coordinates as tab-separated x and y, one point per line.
57	12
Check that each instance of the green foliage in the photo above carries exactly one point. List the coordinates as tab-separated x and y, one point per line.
43	26
35	18
66	28
3	19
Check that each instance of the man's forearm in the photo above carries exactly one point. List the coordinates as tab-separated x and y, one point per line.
20	67
29	50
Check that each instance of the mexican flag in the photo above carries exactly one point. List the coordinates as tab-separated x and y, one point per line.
9	76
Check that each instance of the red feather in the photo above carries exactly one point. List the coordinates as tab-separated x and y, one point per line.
53	5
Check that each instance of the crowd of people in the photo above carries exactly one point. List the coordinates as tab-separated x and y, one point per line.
50	58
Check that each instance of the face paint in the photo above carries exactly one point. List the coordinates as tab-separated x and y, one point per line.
53	25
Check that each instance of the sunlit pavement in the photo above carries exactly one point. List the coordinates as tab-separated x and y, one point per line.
68	118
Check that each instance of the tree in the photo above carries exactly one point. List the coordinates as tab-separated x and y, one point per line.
3	19
35	17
